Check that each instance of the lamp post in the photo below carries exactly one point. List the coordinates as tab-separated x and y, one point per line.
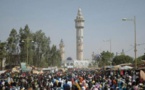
27	40
135	50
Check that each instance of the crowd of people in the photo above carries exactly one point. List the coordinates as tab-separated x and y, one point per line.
76	79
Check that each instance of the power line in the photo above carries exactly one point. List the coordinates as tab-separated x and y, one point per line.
129	49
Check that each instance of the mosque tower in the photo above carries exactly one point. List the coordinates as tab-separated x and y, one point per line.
61	46
79	25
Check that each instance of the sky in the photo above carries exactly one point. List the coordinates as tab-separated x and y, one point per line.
103	22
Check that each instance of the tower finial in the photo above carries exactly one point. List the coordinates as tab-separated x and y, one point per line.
79	9
79	12
61	41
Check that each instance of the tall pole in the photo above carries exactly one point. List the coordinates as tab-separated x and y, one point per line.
27	50
110	45
135	50
27	45
110	52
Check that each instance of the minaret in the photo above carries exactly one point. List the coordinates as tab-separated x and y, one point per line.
122	53
61	46
79	24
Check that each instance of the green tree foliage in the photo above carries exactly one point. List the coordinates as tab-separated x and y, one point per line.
96	60
2	52
12	47
25	44
55	58
122	59
35	48
141	57
106	58
41	48
140	60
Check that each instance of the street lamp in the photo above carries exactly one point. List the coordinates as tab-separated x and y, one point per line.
135	50
27	40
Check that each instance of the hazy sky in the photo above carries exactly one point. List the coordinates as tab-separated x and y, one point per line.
103	21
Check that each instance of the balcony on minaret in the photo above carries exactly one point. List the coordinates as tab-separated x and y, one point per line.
79	21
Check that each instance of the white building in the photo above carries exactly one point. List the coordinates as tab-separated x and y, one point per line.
76	63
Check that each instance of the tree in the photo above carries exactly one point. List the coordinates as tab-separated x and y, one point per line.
2	51
122	59
141	57
140	60
106	58
38	52
41	48
96	59
55	57
12	47
25	44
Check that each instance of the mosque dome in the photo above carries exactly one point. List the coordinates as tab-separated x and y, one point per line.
69	58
